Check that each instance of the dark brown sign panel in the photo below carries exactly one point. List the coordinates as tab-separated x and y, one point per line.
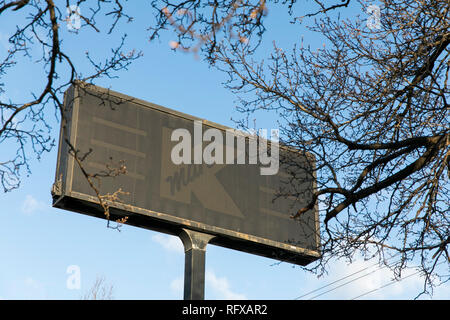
234	202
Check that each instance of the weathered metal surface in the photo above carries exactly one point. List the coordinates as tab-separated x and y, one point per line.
194	266
232	202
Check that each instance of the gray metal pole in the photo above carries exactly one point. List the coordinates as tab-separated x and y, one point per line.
194	264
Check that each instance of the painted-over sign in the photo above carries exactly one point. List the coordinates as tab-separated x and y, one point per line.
172	183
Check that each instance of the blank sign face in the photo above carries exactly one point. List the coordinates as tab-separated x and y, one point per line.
230	198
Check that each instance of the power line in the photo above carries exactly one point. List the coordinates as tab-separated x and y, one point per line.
348	282
336	281
389	283
343	278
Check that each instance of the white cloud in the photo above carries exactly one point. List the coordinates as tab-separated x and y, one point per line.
28	289
31	205
4	41
221	287
369	280
177	286
170	243
215	287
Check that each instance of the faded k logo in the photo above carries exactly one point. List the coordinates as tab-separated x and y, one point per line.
178	181
190	164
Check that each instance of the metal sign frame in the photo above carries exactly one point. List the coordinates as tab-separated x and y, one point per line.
65	197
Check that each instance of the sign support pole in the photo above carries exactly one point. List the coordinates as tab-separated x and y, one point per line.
194	264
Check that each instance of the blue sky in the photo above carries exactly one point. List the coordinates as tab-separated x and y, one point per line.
38	243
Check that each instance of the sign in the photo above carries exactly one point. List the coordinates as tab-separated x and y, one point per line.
234	196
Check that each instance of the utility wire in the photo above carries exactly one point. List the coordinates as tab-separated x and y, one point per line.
336	281
389	283
350	281
343	278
